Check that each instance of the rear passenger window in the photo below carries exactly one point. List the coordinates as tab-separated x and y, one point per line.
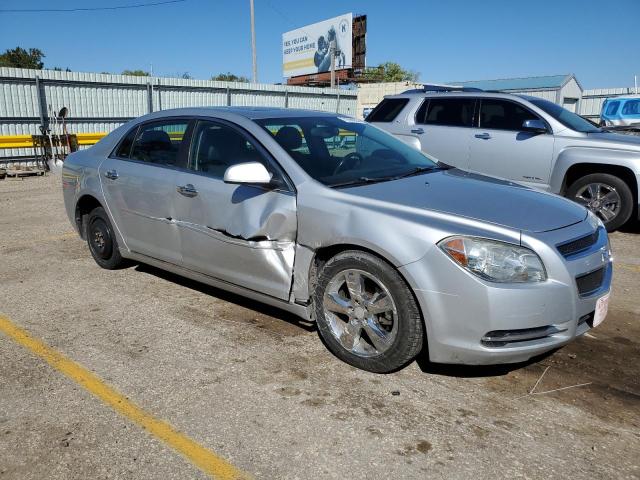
159	143
216	147
124	150
452	112
387	110
504	115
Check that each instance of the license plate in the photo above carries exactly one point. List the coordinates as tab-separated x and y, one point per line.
602	306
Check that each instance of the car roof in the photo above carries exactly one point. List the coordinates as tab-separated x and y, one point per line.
252	113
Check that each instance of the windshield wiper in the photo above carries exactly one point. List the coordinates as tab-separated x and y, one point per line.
360	181
419	170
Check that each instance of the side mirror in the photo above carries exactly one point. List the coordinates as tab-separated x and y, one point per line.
251	173
535	126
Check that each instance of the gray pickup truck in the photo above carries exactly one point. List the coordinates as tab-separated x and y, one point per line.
525	139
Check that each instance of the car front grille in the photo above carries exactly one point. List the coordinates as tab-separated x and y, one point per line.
579	245
590	282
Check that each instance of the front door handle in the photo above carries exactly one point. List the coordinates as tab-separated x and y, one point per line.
419	131
483	136
187	190
111	174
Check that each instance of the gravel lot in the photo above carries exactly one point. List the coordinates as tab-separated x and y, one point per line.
256	386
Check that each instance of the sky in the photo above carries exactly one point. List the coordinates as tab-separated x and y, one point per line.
443	41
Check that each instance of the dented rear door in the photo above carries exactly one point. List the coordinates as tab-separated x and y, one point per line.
241	234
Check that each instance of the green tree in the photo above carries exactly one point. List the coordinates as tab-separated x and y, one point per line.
230	77
390	72
21	58
136	73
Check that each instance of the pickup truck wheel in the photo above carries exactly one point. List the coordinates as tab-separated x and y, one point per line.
102	240
366	314
608	196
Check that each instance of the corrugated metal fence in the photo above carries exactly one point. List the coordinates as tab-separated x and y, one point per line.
102	102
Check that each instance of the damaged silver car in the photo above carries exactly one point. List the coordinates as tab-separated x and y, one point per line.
389	251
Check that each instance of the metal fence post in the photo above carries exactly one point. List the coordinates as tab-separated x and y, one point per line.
42	102
228	97
149	98
286	99
338	103
159	95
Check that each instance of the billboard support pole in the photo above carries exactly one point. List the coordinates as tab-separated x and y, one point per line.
253	44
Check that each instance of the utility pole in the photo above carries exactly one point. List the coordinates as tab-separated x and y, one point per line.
253	44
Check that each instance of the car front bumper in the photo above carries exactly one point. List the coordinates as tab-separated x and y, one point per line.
472	321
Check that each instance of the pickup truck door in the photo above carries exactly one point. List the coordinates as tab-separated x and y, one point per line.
501	148
443	128
242	234
138	182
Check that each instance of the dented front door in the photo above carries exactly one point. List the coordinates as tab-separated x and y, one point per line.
241	234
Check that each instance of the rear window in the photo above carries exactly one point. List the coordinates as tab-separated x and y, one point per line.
159	142
387	110
452	112
124	150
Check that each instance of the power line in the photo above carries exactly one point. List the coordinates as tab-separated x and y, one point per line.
87	9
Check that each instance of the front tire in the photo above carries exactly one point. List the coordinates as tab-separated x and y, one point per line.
366	314
606	195
102	240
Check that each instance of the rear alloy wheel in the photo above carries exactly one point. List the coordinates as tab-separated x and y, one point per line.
608	196
366	314
102	240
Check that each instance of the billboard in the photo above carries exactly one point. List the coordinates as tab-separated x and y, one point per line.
306	50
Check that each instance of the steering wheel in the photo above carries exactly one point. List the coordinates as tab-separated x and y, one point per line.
352	160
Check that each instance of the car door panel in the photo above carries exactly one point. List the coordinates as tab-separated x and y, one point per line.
242	234
238	233
500	147
139	201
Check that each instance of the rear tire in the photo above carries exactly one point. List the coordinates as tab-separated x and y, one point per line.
102	240
606	195
366	314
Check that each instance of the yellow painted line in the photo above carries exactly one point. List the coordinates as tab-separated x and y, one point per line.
204	459
24	141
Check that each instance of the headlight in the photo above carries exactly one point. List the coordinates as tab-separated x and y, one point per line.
495	261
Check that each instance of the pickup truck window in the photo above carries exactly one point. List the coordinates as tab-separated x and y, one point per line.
503	115
387	110
452	112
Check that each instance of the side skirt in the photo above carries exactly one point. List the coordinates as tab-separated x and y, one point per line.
300	310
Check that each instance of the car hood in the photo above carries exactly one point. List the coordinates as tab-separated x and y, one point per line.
617	140
478	197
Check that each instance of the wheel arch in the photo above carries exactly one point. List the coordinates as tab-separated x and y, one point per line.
579	170
84	205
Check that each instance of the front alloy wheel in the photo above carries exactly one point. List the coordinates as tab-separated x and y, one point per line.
366	313
606	195
361	313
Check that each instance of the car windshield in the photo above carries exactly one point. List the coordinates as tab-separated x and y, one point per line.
564	116
341	151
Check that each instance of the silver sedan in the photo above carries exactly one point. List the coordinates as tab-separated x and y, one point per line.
388	250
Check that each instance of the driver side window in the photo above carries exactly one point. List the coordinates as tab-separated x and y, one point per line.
215	147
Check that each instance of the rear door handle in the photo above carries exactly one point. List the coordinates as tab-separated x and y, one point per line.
483	136
419	131
187	190
111	174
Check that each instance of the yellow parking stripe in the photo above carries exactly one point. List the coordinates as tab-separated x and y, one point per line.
204	459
